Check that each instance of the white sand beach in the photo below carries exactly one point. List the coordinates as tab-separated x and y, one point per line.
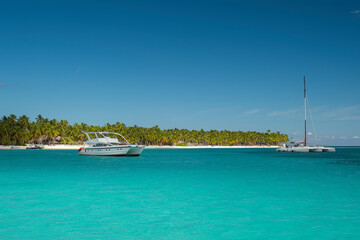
207	146
69	147
49	147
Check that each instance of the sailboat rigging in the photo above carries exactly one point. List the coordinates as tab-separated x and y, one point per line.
298	147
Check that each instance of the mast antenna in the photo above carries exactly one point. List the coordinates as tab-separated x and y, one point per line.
305	110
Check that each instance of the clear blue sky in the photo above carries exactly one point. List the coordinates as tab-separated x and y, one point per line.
235	65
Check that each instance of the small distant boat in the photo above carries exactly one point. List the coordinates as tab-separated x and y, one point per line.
108	144
35	147
14	148
303	147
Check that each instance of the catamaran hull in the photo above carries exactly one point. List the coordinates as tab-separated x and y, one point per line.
104	151
315	150
306	149
135	150
293	149
328	149
300	150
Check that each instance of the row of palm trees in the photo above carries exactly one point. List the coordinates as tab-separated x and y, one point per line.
21	130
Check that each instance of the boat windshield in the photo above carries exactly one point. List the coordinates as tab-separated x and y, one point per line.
106	138
115	139
92	135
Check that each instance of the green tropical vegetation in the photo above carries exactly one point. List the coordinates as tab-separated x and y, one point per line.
181	145
21	130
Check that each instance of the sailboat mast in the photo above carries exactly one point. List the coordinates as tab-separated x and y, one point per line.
305	110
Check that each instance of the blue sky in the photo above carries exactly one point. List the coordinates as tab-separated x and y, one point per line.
235	65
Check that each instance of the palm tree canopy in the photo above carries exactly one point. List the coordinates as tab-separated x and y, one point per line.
20	130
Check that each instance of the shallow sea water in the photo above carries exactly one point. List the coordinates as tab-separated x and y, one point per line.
180	194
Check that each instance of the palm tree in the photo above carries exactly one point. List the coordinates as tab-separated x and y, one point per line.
39	118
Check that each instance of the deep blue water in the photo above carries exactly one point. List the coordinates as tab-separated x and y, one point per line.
180	194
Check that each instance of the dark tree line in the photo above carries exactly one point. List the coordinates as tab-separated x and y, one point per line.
21	130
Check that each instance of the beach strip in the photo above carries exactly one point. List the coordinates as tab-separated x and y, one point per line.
70	147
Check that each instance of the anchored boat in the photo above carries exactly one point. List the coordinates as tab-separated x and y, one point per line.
108	144
302	147
293	147
35	147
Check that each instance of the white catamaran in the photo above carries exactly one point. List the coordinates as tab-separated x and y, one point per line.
302	147
108	144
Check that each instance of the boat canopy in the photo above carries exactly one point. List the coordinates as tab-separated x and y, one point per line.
104	137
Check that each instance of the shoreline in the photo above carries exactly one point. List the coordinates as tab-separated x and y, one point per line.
206	146
76	147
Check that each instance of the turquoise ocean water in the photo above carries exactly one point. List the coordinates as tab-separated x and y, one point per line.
180	194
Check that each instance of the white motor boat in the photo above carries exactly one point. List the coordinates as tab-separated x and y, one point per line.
108	144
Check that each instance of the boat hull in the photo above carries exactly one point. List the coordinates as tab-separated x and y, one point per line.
35	148
300	150
315	150
104	151
328	149
135	150
293	149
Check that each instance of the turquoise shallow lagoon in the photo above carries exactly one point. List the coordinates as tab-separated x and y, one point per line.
180	194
